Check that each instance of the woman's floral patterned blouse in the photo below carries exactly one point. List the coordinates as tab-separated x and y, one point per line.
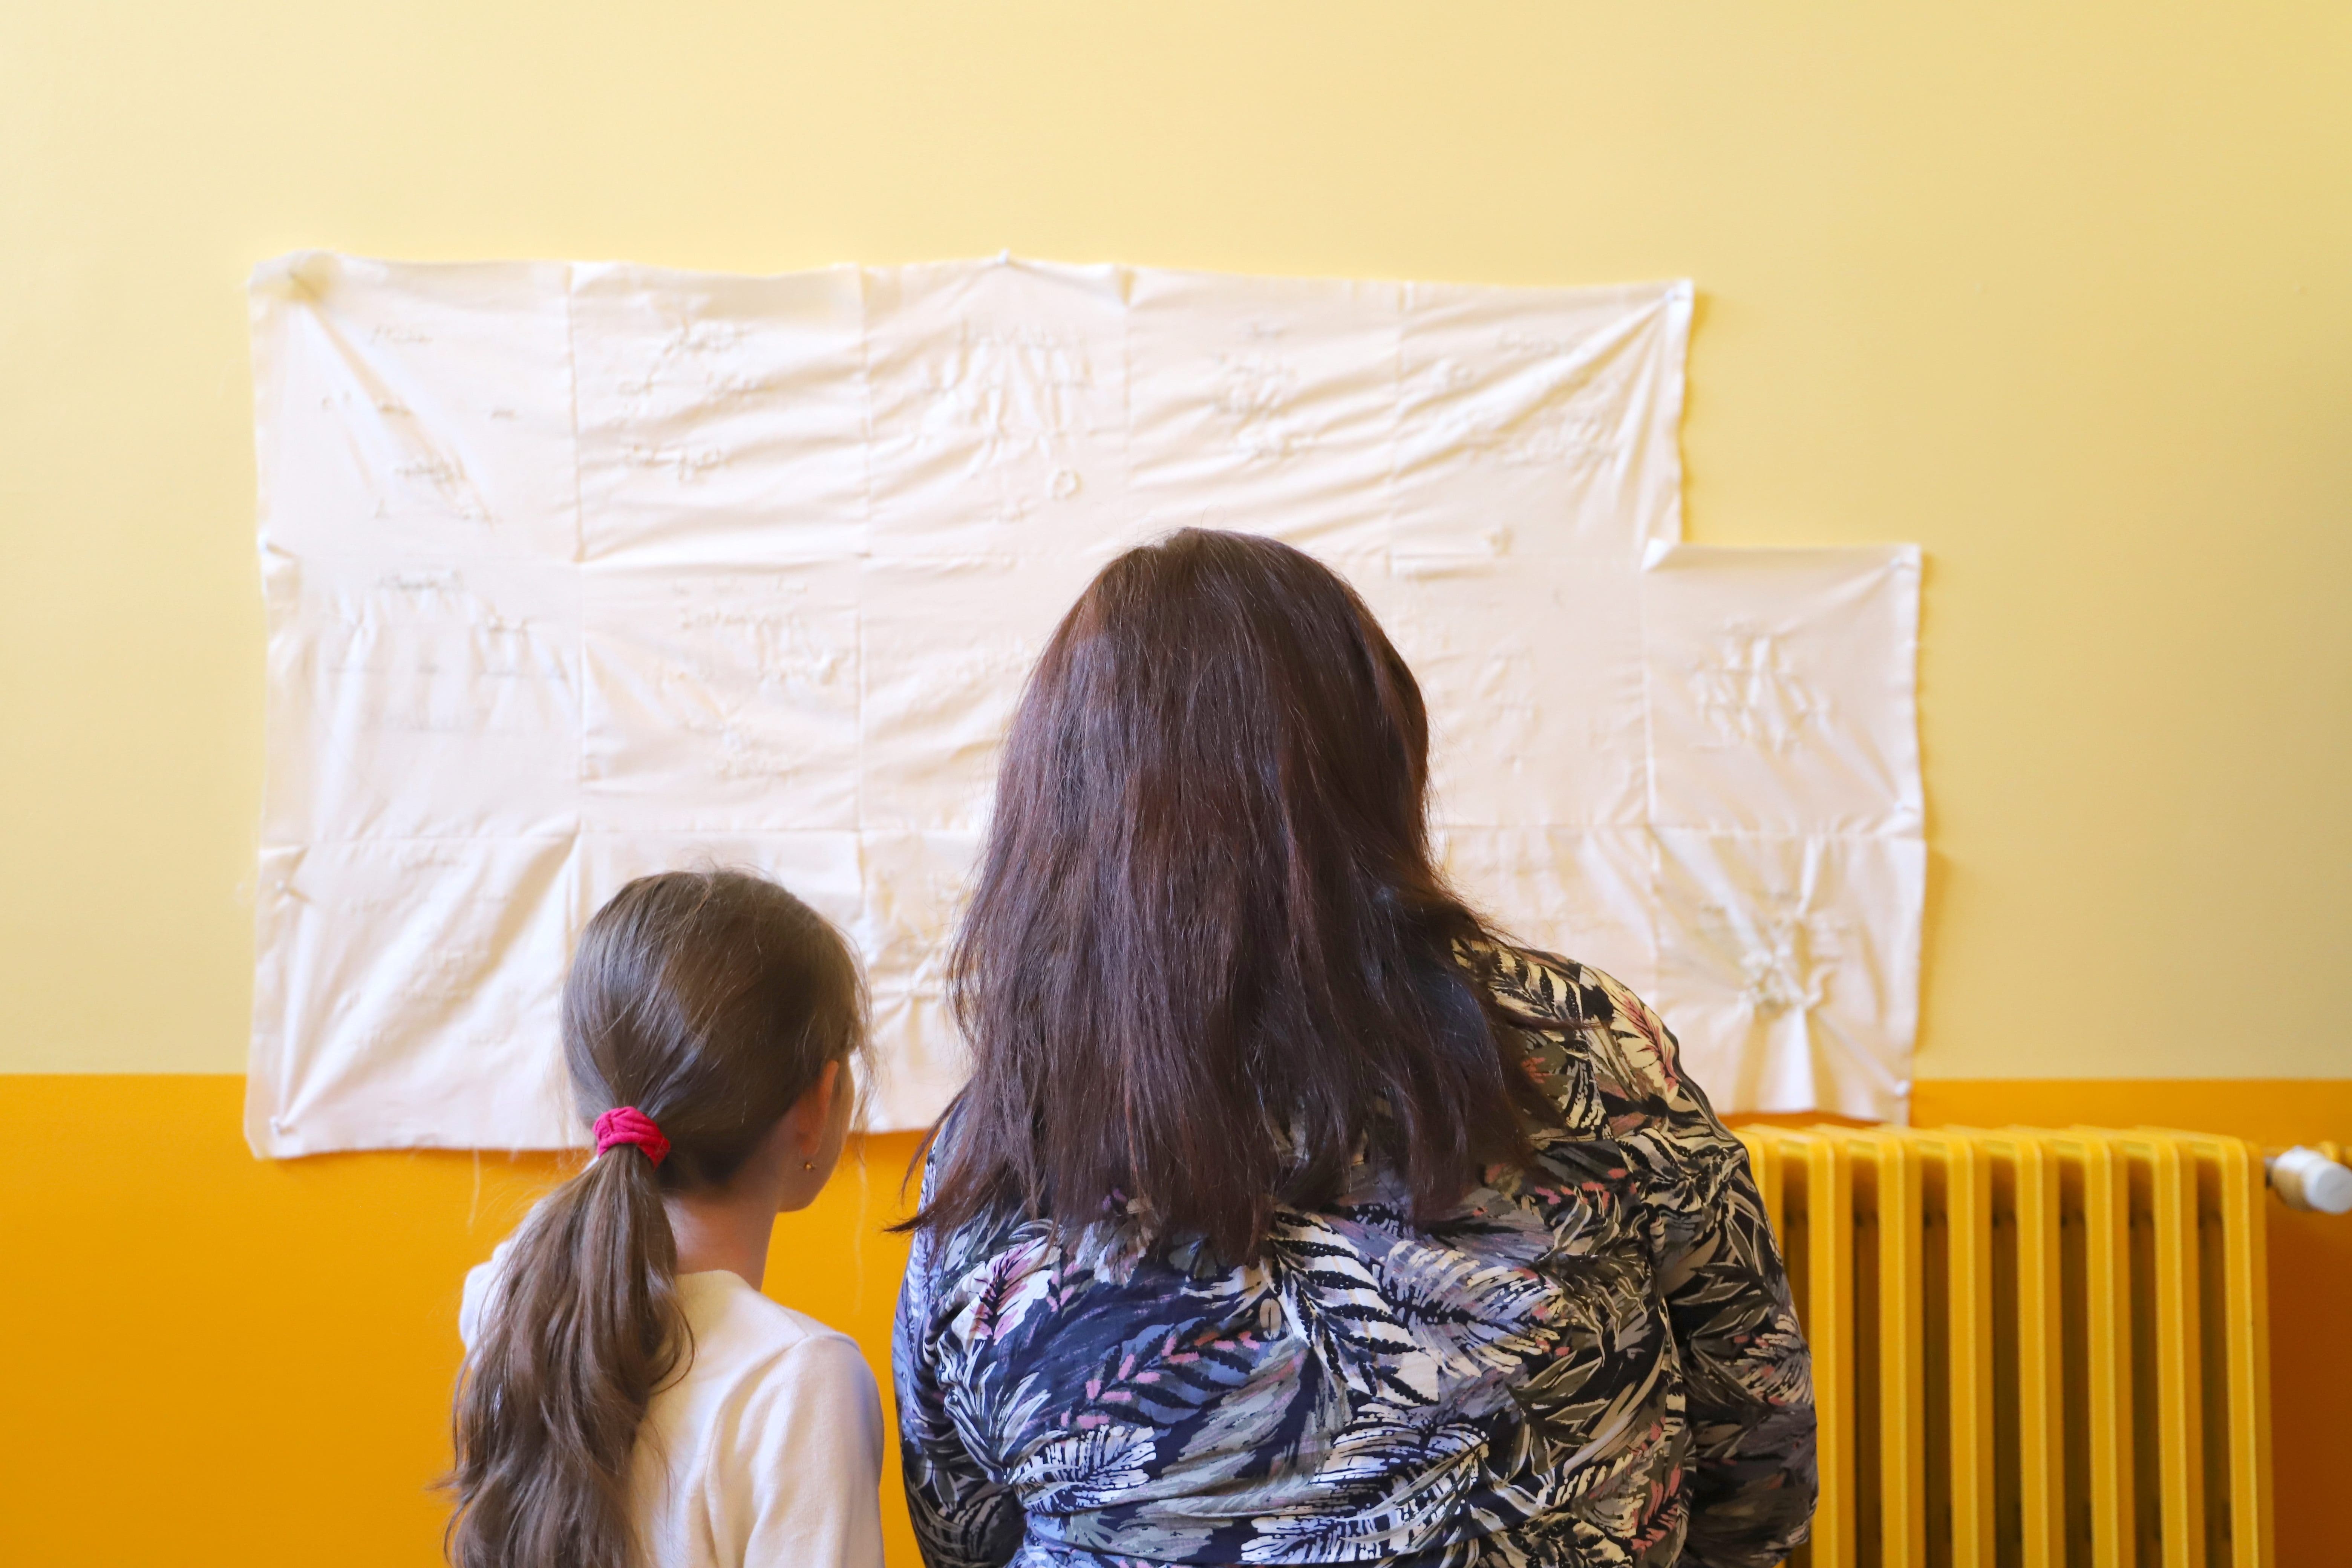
1593	1360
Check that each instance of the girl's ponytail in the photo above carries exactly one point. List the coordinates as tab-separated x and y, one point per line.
710	1002
583	1328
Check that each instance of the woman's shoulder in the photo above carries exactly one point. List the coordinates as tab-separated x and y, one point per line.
1541	988
993	1231
1581	1018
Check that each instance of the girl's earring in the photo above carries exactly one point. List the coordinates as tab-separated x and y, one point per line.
808	1164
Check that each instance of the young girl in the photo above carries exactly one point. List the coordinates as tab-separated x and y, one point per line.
629	1399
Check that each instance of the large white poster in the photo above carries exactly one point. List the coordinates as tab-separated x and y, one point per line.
579	572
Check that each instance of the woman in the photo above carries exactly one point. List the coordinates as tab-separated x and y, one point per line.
1291	1215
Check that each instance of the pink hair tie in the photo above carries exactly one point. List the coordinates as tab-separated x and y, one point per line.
627	1124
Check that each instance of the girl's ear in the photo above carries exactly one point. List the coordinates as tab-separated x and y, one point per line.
811	1136
812	1116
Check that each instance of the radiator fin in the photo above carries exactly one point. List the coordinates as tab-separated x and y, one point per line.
2033	1347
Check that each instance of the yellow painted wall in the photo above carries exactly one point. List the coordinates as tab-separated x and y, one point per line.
2064	293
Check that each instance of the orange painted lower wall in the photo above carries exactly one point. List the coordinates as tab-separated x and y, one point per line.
221	1360
218	1360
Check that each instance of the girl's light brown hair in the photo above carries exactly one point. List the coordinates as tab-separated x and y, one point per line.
711	1000
1209	959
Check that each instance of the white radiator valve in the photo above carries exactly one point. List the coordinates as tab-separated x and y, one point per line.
2307	1179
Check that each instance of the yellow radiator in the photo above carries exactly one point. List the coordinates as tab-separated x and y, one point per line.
2031	1347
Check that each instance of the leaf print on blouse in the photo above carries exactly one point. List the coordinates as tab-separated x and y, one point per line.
1084	1469
1332	1298
1391	1488
1468	1294
1593	1360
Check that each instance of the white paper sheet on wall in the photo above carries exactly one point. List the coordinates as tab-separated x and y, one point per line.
579	571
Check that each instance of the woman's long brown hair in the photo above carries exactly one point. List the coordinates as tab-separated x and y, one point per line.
712	1002
1209	959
